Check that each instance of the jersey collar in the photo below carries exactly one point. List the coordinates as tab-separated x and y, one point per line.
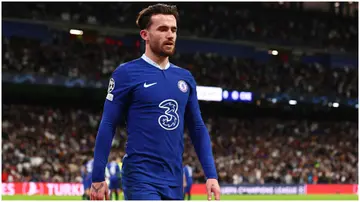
148	60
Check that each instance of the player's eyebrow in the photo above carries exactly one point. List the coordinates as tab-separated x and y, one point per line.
164	26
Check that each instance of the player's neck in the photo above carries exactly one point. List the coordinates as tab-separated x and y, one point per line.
160	60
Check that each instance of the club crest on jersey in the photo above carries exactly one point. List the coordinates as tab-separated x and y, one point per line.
183	86
111	85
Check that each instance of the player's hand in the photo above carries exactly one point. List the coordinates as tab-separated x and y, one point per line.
212	186
99	191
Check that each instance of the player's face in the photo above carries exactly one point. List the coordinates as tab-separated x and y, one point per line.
162	34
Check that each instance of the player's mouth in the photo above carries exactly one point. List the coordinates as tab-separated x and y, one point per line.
169	44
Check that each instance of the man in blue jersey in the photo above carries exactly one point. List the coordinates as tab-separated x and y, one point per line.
156	99
189	181
87	174
114	172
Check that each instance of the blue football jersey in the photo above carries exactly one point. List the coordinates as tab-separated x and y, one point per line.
89	166
114	170
188	175
155	104
88	170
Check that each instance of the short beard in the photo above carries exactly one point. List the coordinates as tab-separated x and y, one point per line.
159	52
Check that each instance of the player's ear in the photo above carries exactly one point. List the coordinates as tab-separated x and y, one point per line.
144	34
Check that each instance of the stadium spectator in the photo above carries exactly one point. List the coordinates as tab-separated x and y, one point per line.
97	61
242	21
44	145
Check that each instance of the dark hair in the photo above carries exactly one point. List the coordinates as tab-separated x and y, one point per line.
143	20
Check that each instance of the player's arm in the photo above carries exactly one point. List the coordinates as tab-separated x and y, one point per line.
200	138
82	171
107	172
199	134
115	103
184	180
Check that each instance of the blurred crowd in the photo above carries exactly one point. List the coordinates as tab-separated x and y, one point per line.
229	21
71	58
74	58
50	144
281	151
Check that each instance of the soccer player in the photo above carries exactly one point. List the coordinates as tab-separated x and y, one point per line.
83	176
114	172
87	174
189	181
156	99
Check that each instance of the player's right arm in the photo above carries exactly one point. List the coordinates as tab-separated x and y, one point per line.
115	103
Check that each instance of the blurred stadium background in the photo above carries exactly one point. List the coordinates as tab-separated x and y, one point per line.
278	84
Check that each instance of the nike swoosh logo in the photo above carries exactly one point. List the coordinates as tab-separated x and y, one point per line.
148	85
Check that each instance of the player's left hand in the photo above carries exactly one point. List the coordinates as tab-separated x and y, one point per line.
212	186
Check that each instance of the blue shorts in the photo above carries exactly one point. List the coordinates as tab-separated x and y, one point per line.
188	189
87	183
145	191
115	184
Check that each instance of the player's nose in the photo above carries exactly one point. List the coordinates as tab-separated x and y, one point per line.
170	35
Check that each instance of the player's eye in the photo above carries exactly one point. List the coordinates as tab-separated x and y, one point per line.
163	29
